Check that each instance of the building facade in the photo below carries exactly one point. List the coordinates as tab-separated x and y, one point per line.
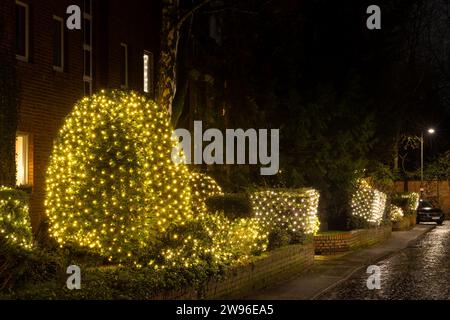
116	47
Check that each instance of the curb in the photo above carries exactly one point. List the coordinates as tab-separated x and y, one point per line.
368	261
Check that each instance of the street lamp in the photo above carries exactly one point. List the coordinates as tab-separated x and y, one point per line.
430	131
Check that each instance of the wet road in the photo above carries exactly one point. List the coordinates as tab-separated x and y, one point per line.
421	271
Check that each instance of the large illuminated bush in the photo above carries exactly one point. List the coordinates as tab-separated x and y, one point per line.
111	184
368	204
15	226
292	210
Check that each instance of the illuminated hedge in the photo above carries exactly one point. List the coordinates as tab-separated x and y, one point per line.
213	239
395	213
292	210
368	203
111	184
202	187
412	201
15	226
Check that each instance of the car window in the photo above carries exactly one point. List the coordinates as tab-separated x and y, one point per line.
425	204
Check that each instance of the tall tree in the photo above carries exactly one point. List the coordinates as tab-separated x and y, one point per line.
175	14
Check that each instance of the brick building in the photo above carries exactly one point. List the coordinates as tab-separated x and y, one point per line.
115	48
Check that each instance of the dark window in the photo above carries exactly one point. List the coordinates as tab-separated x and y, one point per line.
124	65
87	87
21	29
87	31
87	6
87	63
58	42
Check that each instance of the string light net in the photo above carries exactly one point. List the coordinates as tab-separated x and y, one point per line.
15	226
202	187
111	184
368	203
292	210
395	213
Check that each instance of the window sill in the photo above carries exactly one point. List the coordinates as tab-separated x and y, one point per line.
58	69
26	188
22	58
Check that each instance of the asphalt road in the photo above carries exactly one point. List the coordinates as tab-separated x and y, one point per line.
421	271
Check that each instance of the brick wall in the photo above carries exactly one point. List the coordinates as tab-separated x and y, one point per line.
438	191
325	244
46	95
276	266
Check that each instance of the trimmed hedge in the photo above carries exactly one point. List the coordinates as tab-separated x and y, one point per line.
407	201
233	205
294	210
368	206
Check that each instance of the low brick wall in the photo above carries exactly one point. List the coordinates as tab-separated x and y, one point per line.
326	244
278	265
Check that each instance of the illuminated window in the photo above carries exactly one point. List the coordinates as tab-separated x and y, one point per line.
58	43
124	65
22	143
148	73
22	31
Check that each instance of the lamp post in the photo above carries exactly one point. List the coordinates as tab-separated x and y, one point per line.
430	131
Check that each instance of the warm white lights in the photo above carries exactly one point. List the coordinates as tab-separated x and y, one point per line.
395	213
111	185
368	203
292	210
15	226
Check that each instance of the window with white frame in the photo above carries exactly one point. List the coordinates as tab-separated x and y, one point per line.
22	31
58	43
22	165
148	73
124	65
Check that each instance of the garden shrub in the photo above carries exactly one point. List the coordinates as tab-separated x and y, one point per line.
112	187
212	240
19	266
408	201
395	213
292	212
202	187
368	206
15	226
233	205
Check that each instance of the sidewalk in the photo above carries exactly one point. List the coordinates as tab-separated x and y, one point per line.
328	271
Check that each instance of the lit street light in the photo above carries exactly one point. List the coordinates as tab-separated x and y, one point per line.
430	131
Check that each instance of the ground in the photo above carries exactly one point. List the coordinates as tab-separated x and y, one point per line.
330	271
420	271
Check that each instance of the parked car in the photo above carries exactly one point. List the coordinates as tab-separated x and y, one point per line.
426	212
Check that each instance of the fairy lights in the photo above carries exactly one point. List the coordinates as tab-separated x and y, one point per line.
202	187
368	203
15	226
413	200
395	213
294	210
111	185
